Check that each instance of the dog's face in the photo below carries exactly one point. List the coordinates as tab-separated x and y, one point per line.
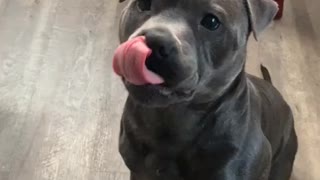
198	45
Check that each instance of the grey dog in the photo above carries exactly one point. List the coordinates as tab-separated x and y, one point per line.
210	120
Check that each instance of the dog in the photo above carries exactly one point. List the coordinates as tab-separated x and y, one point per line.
192	112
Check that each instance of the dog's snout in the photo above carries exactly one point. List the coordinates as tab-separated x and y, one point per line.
164	57
161	42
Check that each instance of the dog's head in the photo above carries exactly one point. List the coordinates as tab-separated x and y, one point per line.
198	46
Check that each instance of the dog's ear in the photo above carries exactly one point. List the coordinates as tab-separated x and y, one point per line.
261	14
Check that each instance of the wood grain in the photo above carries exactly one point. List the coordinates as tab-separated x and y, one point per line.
60	103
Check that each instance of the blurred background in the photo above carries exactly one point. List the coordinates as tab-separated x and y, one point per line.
60	102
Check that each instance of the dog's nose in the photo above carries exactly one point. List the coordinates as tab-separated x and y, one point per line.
161	43
164	53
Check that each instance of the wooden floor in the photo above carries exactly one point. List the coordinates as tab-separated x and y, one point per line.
60	103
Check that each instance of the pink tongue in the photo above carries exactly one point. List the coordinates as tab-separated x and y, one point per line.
130	62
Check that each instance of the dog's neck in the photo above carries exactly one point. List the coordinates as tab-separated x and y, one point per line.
183	122
228	100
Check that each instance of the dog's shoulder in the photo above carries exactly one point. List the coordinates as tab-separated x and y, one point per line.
265	91
275	114
272	104
268	98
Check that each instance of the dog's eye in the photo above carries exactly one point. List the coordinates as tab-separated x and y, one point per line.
210	22
144	5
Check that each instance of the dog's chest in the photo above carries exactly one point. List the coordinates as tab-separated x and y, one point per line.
169	137
168	130
193	161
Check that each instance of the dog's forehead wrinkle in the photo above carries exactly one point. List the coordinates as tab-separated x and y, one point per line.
177	27
218	8
226	8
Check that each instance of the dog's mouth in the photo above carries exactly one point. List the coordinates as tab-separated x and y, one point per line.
130	63
144	84
158	90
